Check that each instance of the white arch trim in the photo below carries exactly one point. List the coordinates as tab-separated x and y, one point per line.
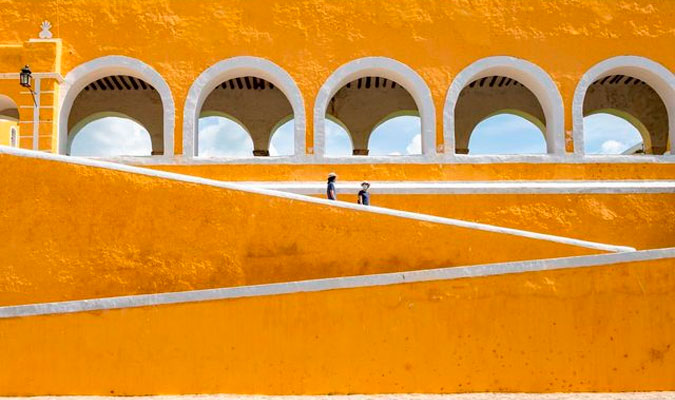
654	74
236	67
385	68
82	75
532	76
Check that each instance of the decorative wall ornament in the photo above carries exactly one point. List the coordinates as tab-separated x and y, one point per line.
45	33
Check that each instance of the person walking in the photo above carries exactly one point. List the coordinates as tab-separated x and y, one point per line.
331	193
364	196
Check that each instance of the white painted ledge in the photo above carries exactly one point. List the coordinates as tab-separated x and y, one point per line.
473	187
306	199
318	285
397	396
404	160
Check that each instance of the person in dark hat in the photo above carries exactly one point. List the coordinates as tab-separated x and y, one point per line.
331	193
364	196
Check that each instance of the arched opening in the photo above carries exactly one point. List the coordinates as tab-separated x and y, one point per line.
609	133
109	135
494	85
397	135
338	139
256	103
368	104
507	132
117	96
626	105
223	136
252	90
123	85
9	122
364	93
281	141
635	89
486	97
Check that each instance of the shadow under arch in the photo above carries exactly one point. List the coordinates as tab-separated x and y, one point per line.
533	77
8	108
84	74
658	77
382	67
231	68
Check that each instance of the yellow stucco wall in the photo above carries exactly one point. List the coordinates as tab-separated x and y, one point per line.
6	131
603	328
79	232
640	220
311	39
425	172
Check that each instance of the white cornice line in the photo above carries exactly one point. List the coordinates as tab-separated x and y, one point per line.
318	285
439	159
307	199
475	187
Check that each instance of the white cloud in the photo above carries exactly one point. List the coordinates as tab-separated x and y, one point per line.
415	145
338	142
282	143
613	147
397	136
603	131
220	136
112	136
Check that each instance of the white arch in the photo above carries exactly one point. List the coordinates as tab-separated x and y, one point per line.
654	74
82	75
385	68
532	76
236	67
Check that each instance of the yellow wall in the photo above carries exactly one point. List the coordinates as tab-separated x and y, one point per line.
311	39
604	328
425	172
6	131
79	232
643	221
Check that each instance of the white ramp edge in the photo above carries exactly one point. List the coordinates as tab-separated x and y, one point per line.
307	199
398	396
476	187
318	285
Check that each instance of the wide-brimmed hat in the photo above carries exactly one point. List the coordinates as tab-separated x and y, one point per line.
332	175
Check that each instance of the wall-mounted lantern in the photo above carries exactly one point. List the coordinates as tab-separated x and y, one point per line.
25	79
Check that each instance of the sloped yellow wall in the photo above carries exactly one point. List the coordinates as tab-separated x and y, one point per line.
603	328
76	232
640	220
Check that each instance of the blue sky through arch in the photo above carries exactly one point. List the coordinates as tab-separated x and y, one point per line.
110	136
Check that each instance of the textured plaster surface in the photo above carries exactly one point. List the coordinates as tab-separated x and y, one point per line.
597	329
425	172
461	396
103	232
644	221
312	39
